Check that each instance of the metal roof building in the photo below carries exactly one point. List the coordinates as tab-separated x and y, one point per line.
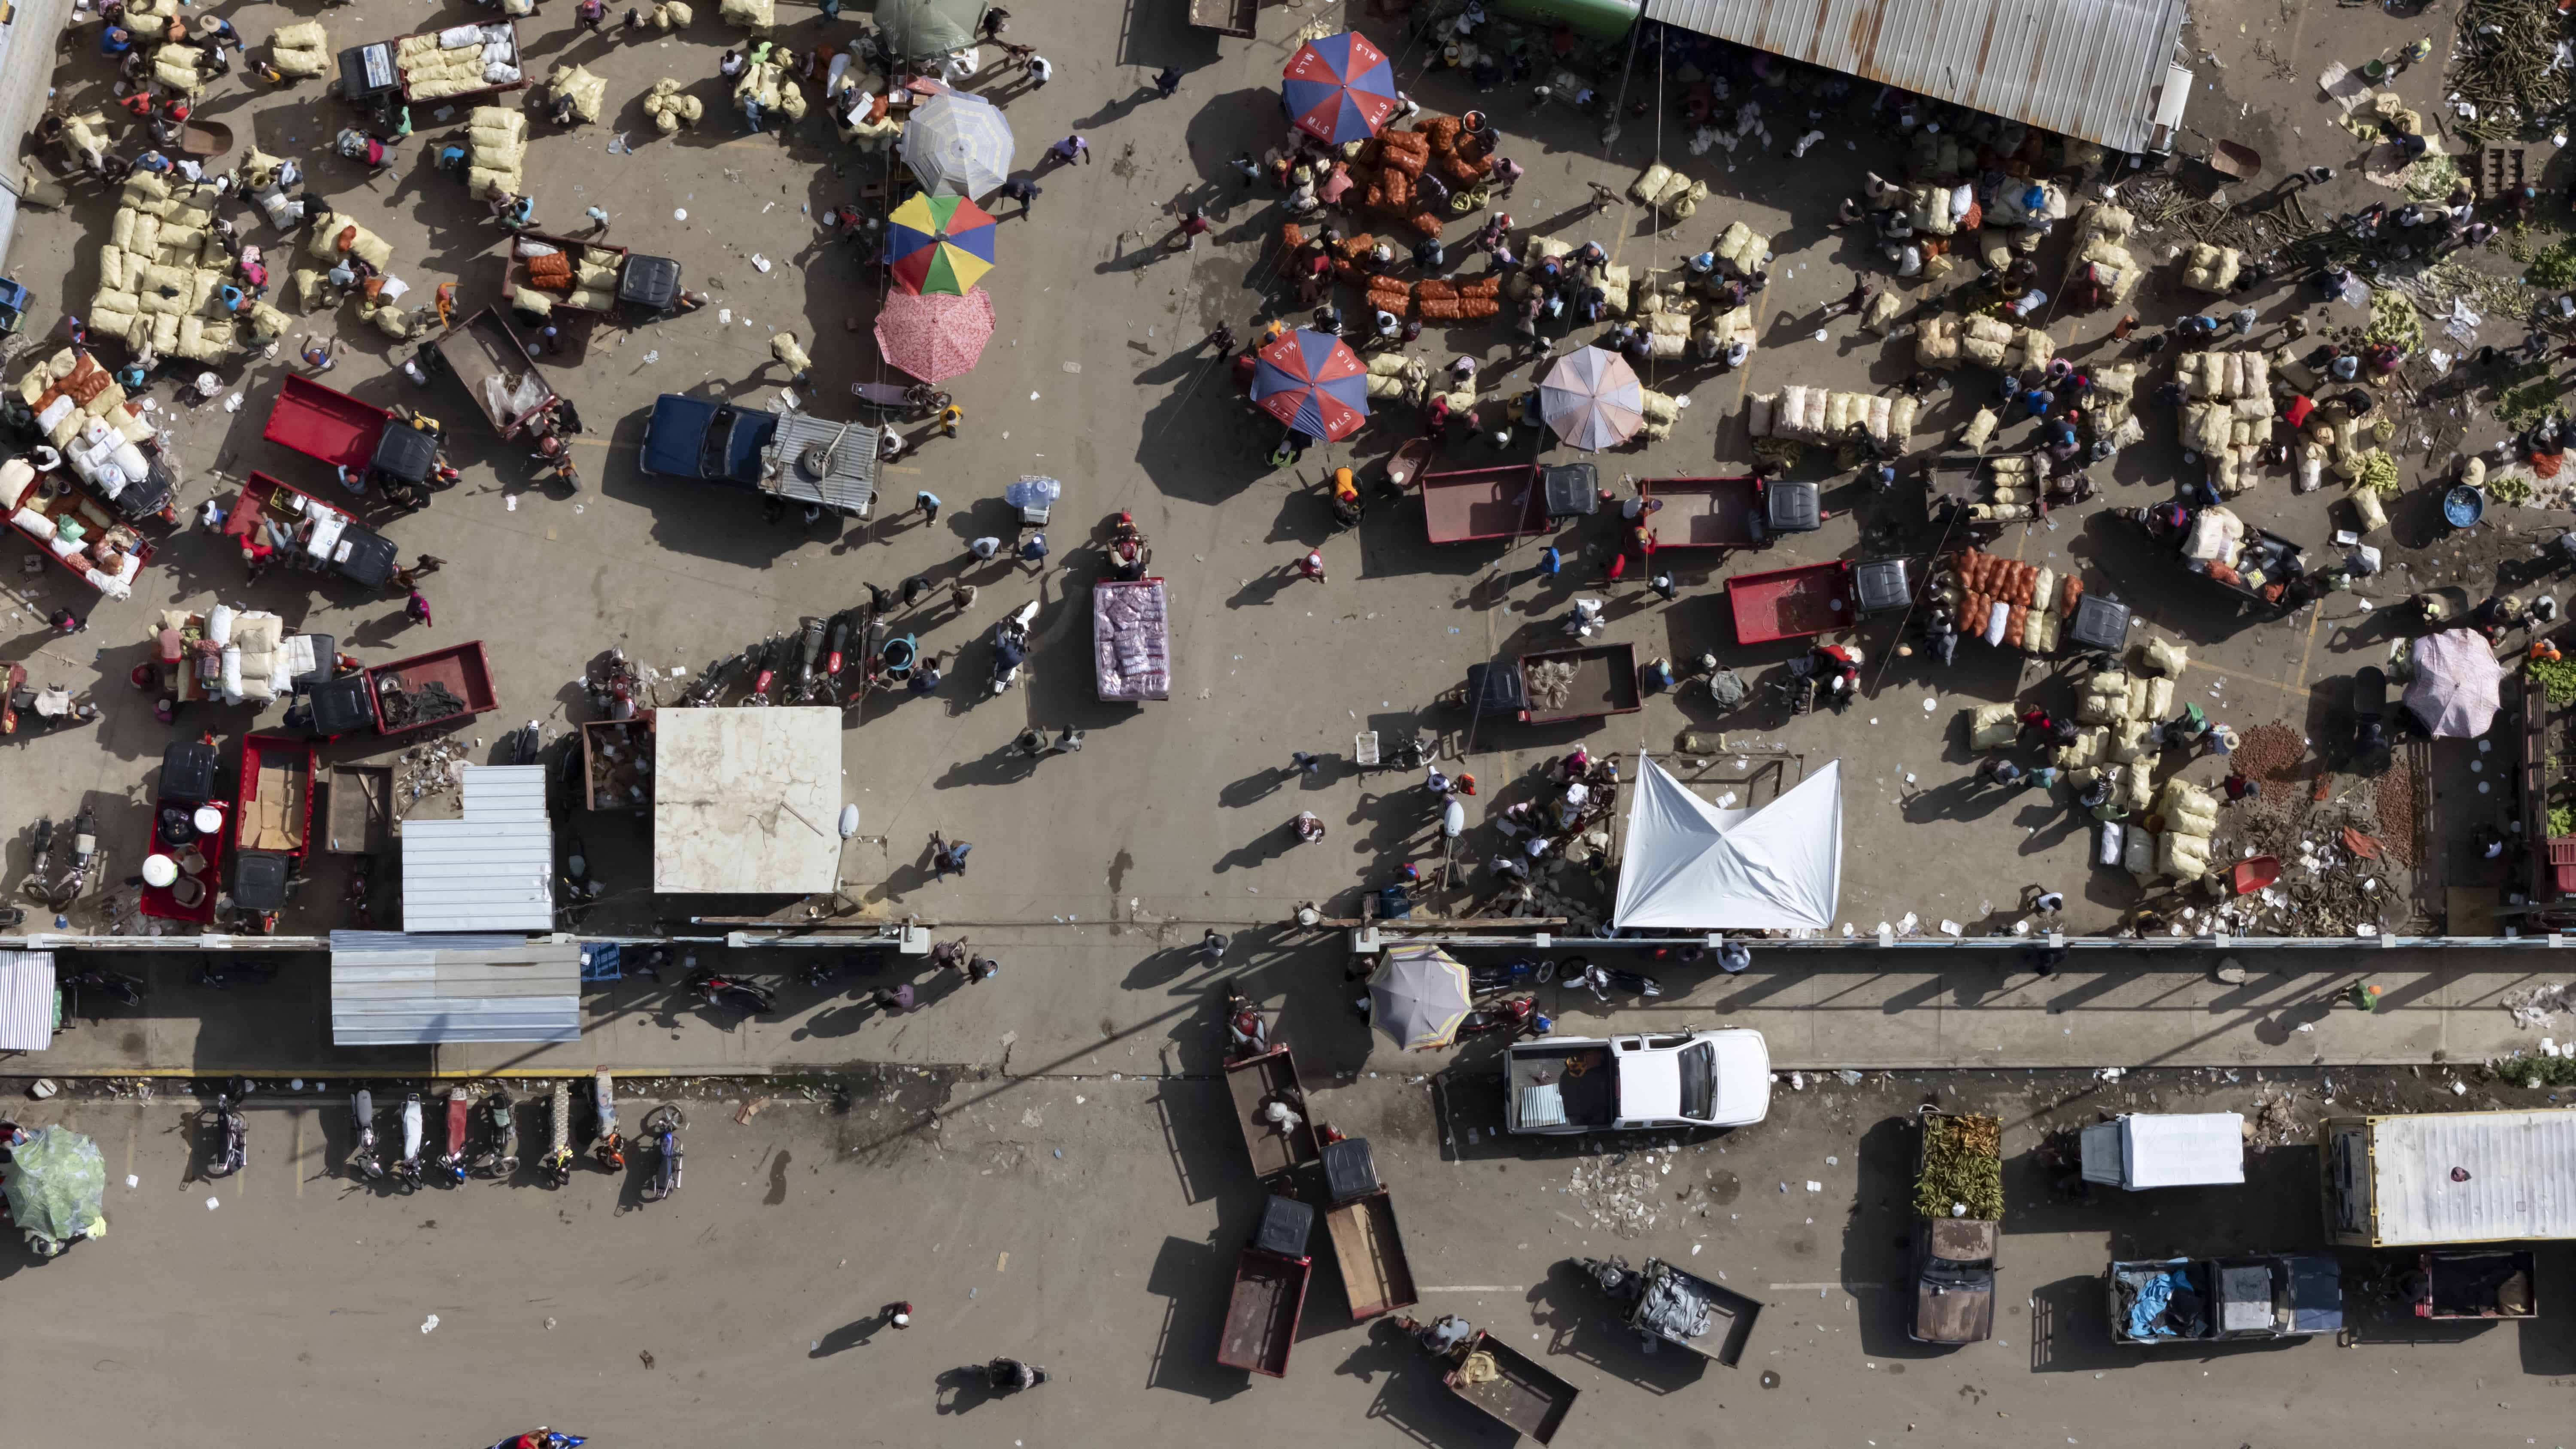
493	869
390	989
26	1001
2099	69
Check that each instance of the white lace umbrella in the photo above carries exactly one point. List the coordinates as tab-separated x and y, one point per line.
1593	400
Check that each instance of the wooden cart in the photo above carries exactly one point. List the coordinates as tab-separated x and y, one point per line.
1791	603
461	669
1376	1274
1705	512
361	820
1255	1081
1261	1315
1522	1396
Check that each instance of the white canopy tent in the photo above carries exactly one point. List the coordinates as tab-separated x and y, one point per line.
1692	866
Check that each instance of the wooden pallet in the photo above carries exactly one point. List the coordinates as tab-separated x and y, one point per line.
2499	170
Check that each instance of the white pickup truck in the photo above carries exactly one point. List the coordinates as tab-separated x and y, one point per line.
1561	1084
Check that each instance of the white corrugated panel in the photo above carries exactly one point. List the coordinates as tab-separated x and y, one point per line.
419	990
2089	68
493	870
2469	1177
26	1001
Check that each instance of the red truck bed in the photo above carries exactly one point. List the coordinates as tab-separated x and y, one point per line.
275	807
1261	1316
1508	501
1791	603
461	669
1704	512
325	423
161	901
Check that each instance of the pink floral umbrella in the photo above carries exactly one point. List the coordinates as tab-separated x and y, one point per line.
935	337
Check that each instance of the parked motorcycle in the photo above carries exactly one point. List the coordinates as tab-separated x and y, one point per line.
1602	980
1509	975
126	989
407	1167
612	687
231	1128
809	652
84	859
525	742
362	1153
719	990
836	645
580	889
500	1154
1011	645
702	691
460	1111
556	1165
1514	1015
607	1147
663	1124
766	658
38	849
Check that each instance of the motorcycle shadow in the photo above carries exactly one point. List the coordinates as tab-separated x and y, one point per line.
962	1390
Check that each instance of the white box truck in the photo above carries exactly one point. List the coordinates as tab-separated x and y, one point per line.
2427	1178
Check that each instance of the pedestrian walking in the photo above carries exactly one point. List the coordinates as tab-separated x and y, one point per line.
1664	586
1022	190
1734	957
984	549
598	216
1311	566
949	417
1550	562
417	609
961	595
1193	226
1222	339
1040	70
1070	150
1166	81
1034	552
319	354
67	622
2046	902
1863	289
928	503
1603	198
892	999
1301	763
1247	168
948	857
1212	946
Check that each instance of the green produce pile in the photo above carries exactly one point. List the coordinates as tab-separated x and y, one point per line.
2502	63
1963	1162
2378	473
2393	319
2509	488
2562	820
2522	1071
2558	678
2554	267
2433	177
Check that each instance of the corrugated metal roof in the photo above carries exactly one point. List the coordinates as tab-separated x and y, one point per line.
850	484
26	1001
493	869
2520	1176
2089	68
404	990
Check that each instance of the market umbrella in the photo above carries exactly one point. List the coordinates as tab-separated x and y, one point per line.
933	336
1593	400
1313	382
917	28
959	144
939	244
56	1188
1339	88
1418	997
2455	689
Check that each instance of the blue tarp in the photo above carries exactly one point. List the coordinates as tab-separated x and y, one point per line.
599	961
2154	1294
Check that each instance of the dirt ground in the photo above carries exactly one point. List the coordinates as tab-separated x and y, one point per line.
1089	1224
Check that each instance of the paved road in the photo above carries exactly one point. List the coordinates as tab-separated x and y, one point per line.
1089	1225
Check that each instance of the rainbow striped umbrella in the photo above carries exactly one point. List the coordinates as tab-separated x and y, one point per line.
1339	88
940	244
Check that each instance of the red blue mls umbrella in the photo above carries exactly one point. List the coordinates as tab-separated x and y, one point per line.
1313	382
1339	88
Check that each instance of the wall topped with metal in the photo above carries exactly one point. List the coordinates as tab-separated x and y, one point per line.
2098	69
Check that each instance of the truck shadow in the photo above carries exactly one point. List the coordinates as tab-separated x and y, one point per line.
1580	1327
1411	1399
1194	1280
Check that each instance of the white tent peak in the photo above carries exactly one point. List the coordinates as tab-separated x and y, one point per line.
1693	866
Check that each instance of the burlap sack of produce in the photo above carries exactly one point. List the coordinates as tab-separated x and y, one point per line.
1651	184
308	288
1992	727
673	15
299	64
1983	353
585	90
393	321
262	322
175	66
2037	347
791	99
497	124
752	15
1881	310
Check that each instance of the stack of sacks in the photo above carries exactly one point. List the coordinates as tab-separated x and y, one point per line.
1460	161
255	659
2012	486
161	270
1384	172
1943	153
1660	411
669	15
1392	375
300	50
1437	300
1668	191
2032	205
334	234
2101	237
864	119
2206	268
1942	210
2191	818
1817	415
1350	261
497	141
1391	296
1994	727
2115	389
69	391
1979	431
1716	333
1615	283
2103	699
2227	414
755	16
396	322
174	68
457	61
769	84
1668	336
669	108
2213	543
2004	602
2162	658
1944	341
1742	249
576	83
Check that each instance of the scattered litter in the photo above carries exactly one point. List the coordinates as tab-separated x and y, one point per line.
133	1181
680	214
426	1324
759	261
212	1204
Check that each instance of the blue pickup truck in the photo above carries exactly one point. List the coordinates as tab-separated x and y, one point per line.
793	455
